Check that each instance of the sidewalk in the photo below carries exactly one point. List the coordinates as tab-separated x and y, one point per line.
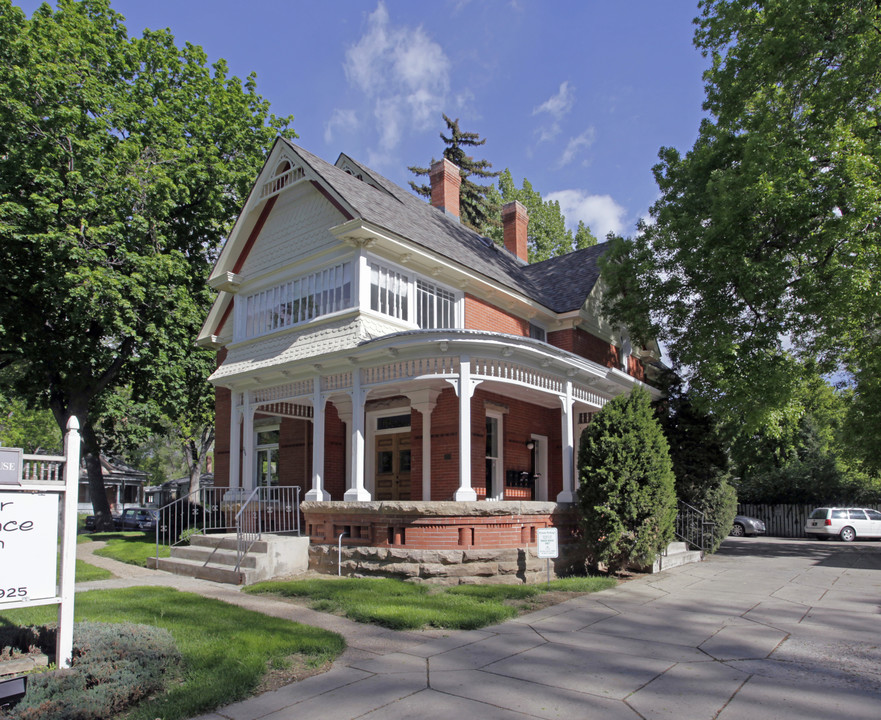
764	629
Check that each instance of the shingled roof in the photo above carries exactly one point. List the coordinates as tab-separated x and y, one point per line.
561	284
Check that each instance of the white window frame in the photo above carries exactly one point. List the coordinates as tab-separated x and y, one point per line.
414	288
498	474
299	300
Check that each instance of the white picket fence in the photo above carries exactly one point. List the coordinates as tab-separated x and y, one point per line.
787	521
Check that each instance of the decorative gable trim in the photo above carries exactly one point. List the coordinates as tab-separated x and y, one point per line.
252	238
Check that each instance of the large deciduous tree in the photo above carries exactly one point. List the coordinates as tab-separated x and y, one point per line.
764	251
475	207
122	162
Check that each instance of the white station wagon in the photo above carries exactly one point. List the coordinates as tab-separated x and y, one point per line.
845	523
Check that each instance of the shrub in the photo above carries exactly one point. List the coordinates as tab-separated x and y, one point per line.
112	667
626	495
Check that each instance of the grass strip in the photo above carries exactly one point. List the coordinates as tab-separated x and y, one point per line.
406	606
86	572
129	547
226	649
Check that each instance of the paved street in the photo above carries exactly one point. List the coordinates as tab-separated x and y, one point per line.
765	629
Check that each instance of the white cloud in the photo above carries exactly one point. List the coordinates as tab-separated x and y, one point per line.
557	106
402	72
341	121
576	144
600	212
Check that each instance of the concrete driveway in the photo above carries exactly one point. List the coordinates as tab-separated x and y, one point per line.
766	628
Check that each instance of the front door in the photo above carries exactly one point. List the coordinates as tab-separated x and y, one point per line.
393	466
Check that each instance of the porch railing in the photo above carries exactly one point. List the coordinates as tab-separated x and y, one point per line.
693	528
199	512
272	509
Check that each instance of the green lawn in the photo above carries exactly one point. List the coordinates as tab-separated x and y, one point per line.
129	547
402	606
226	649
86	572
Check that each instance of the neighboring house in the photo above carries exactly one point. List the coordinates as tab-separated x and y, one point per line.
123	484
373	348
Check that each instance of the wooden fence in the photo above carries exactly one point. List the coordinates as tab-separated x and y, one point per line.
783	520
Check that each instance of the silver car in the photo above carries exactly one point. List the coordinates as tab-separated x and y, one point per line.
745	525
845	523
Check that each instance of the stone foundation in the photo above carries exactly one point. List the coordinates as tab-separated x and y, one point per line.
443	567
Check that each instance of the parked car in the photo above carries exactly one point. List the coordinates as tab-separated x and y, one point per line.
137	518
745	525
845	523
91	522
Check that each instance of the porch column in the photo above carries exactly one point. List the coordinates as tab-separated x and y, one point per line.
356	490
466	390
425	401
248	459
318	492
235	441
567	495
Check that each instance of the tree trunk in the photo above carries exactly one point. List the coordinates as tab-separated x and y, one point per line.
92	456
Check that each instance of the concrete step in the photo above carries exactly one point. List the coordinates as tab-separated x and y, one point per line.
213	556
196	569
667	562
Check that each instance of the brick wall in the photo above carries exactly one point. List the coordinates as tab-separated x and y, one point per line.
591	347
480	315
295	454
334	453
222	406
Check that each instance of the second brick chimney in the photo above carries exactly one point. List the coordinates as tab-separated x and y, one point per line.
445	182
515	224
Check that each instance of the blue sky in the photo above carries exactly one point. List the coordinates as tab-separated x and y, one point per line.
576	96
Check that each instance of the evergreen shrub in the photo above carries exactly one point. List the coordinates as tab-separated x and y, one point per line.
112	667
626	496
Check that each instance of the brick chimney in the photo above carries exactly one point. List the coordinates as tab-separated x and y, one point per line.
445	182
515	224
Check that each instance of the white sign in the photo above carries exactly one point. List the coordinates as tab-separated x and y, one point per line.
547	542
28	546
10	466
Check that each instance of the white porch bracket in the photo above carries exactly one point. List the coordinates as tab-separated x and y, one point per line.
567	495
318	493
425	401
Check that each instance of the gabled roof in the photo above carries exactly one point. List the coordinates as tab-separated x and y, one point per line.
561	284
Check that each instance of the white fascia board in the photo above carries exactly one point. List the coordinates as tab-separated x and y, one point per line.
400	250
249	214
206	336
224	261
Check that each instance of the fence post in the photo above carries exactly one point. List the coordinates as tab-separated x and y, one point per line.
64	641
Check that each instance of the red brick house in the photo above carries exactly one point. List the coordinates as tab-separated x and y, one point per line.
374	350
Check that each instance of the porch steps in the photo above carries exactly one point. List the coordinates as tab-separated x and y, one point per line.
676	554
213	557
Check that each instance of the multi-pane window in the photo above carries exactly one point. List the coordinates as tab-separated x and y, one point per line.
388	291
435	307
300	300
392	292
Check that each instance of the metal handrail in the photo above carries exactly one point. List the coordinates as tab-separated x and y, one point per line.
196	513
693	528
273	509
